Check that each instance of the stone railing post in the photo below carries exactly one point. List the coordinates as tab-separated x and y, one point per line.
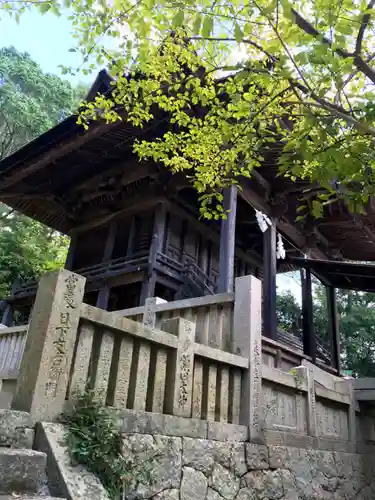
44	372
347	386
247	342
306	374
179	387
149	315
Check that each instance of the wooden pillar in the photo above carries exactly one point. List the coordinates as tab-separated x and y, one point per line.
227	241
7	317
269	281
103	297
129	249
110	242
309	340
160	228
71	252
157	245
105	290
333	326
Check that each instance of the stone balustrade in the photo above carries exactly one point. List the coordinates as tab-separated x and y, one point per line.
160	366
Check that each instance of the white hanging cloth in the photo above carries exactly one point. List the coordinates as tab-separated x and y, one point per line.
280	250
263	221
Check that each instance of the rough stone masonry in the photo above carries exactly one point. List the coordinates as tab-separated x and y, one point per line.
183	468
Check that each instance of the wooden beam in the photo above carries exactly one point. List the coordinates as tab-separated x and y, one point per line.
158	239
289	230
105	291
133	205
269	282
309	340
110	241
15	174
333	327
149	282
255	200
103	298
7	317
70	256
250	257
227	241
261	180
299	239
130	245
160	226
136	171
358	222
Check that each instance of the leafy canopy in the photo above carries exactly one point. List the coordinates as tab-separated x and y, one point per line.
31	102
297	74
27	249
357	325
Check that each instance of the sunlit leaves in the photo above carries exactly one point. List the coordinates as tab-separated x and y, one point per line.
294	86
207	27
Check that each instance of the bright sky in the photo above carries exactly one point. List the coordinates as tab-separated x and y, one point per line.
47	38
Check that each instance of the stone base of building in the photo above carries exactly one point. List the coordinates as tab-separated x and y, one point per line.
181	468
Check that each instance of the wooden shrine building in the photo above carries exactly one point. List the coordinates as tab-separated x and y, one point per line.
135	228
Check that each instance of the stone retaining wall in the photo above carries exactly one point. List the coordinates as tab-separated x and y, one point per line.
181	468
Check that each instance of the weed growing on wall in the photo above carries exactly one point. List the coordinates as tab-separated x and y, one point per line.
94	441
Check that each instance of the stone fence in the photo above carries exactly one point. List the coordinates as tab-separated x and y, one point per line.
213	316
168	367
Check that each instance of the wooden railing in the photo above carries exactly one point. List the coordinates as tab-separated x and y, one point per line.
213	318
12	343
111	267
211	314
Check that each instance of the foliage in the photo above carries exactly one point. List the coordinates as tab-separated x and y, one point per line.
94	441
27	250
357	325
299	75
31	101
288	312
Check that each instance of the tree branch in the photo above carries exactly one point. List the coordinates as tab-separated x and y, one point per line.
361	127
245	41
358	62
365	20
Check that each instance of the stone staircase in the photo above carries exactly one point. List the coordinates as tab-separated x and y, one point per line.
22	470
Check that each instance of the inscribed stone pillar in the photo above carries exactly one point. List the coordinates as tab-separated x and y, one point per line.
179	387
247	342
346	386
149	313
307	375
44	371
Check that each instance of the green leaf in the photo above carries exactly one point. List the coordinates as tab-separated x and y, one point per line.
317	209
197	23
238	33
178	19
45	7
208	25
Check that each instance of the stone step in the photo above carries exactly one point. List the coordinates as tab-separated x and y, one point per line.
16	429
16	496
22	471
